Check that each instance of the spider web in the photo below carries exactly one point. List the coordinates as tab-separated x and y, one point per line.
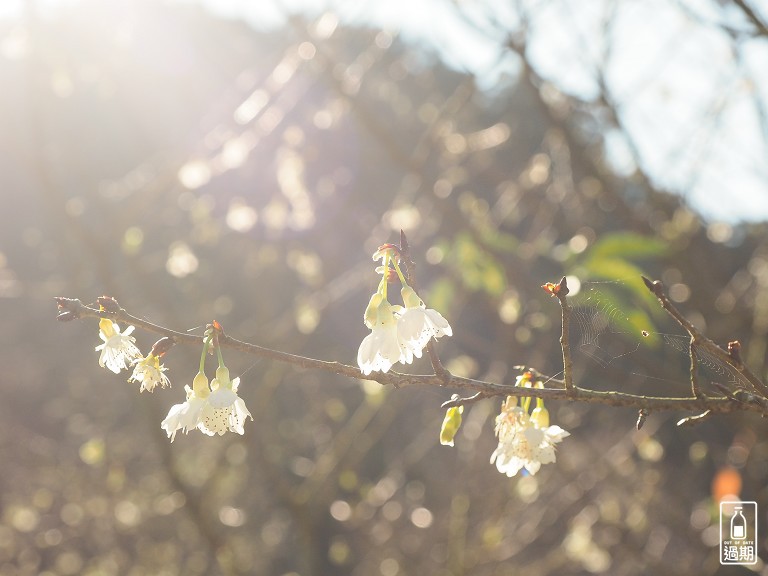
602	329
711	366
619	334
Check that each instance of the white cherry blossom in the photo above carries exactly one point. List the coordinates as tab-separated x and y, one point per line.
224	410
382	347
213	410
118	350
186	416
417	324
149	373
523	444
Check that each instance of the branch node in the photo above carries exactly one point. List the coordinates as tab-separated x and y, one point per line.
68	308
162	346
655	286
561	291
694	369
693	420
642	414
108	304
734	351
457	401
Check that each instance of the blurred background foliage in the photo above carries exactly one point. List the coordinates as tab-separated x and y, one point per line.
194	169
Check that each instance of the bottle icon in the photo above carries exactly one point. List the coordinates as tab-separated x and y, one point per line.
738	525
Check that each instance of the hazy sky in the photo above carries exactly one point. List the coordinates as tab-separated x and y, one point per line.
687	99
686	93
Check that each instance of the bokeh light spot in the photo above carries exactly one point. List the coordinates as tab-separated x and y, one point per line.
194	174
181	260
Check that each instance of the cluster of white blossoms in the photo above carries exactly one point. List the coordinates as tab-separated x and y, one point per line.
525	440
119	350
213	408
398	333
149	373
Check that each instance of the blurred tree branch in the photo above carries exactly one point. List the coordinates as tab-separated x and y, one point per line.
762	28
735	399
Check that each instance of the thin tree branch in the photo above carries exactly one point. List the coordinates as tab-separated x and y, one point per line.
410	272
761	26
694	370
698	339
562	296
70	309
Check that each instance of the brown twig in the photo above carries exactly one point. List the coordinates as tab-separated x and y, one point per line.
562	296
642	414
694	369
410	268
458	401
697	419
739	401
698	339
762	29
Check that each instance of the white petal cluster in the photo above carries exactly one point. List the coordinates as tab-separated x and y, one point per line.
398	333
149	373
184	417
382	347
224	411
212	412
522	444
417	324
118	351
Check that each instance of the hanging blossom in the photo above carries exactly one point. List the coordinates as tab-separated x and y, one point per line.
382	347
397	333
118	350
149	373
451	423
213	409
525	441
187	416
224	410
417	324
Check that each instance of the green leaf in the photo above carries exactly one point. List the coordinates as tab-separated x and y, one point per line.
498	240
478	268
441	294
611	269
626	245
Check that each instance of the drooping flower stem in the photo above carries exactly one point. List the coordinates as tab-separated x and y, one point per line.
383	283
434	359
400	273
219	356
206	345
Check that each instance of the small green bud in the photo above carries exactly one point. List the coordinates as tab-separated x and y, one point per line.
371	312
540	417
410	298
451	425
509	403
384	314
200	385
222	374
